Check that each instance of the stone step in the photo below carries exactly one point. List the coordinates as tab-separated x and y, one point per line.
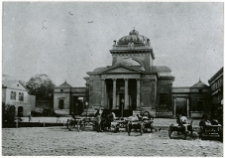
88	112
136	112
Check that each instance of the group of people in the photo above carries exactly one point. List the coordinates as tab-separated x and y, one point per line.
183	121
104	119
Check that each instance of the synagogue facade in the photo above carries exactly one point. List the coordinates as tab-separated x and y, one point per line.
131	84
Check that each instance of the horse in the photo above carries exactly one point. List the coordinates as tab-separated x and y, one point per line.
104	119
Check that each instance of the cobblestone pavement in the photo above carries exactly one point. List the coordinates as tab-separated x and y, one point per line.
58	141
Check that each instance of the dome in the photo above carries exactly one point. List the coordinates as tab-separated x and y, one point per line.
199	84
133	37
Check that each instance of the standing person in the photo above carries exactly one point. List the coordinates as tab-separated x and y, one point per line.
29	116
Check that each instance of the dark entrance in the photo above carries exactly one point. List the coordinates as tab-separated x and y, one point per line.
181	106
61	104
77	106
20	111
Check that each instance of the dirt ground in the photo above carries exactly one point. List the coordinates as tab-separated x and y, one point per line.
59	141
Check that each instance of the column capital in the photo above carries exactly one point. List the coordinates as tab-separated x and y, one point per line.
114	79
138	79
125	79
103	79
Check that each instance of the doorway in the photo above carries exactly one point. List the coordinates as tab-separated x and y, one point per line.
77	106
20	111
181	106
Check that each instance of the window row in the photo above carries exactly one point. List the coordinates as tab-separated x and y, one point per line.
217	84
13	96
163	103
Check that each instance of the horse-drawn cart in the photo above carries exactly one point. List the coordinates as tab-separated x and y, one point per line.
208	130
81	123
179	128
141	123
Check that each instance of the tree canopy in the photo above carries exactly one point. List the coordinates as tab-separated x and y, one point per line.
41	86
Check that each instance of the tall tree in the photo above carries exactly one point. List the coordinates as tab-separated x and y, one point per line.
41	86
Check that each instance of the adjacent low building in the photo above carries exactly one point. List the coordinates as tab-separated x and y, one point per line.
15	93
194	101
69	100
216	93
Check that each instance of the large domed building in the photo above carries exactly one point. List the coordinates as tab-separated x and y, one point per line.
132	85
132	82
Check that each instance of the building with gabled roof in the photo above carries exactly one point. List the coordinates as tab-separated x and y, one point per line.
14	92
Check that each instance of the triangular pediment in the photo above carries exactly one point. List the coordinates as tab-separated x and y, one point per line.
120	70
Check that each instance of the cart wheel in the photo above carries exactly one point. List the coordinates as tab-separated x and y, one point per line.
128	129
117	129
185	135
67	123
141	130
70	126
170	134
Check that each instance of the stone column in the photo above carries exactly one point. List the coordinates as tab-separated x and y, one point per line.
126	94
105	97
118	101
138	95
174	106
114	94
103	94
188	112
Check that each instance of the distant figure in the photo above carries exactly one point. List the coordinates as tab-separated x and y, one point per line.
29	117
57	119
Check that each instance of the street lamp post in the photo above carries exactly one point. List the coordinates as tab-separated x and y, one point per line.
122	107
86	104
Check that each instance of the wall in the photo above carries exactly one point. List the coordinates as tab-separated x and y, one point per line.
3	95
65	95
96	93
148	93
194	97
8	99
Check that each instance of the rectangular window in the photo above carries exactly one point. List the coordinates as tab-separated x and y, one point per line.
20	96
13	95
163	101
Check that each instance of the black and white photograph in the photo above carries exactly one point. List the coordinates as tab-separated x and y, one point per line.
112	78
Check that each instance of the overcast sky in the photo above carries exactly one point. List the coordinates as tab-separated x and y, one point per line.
56	38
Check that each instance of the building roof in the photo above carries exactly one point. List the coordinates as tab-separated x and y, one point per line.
65	85
199	84
216	74
133	43
13	84
160	69
133	37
